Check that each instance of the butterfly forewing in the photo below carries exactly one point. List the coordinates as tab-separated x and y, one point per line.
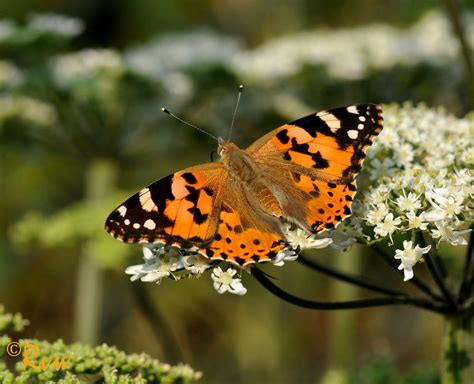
178	209
320	154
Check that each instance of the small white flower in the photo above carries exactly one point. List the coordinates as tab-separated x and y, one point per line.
163	267
416	221
387	226
444	232
300	239
225	281
196	264
157	264
408	203
445	203
409	256
284	255
377	215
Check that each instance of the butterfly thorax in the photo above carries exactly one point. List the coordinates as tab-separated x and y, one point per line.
237	162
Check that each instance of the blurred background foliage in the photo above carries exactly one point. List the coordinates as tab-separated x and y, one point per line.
81	129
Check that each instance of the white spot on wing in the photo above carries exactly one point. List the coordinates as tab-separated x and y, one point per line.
146	201
127	222
136	225
360	126
362	118
332	121
352	134
352	109
150	224
122	210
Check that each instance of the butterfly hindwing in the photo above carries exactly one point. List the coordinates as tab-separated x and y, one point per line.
242	239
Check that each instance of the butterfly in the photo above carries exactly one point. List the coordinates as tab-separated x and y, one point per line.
300	174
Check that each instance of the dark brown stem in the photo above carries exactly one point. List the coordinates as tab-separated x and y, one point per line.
430	258
355	280
415	280
365	303
468	278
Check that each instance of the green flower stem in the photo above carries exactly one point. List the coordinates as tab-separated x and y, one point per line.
415	280
457	350
100	180
352	279
435	271
365	303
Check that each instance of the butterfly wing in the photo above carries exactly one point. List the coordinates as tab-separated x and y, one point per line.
314	160
246	233
178	209
197	208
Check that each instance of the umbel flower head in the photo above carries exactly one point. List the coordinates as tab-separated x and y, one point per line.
429	188
417	185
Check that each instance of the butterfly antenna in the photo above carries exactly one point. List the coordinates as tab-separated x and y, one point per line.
241	87
191	125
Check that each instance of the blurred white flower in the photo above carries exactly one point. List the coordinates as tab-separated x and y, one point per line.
358	50
22	107
57	24
196	263
167	58
7	29
70	67
409	256
224	281
382	168
10	75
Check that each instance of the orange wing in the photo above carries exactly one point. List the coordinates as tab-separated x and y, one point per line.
320	155
197	209
178	209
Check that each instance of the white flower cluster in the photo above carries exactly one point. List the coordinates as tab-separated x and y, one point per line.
167	58
10	75
162	260
7	29
88	63
57	24
26	108
421	175
167	261
51	23
351	53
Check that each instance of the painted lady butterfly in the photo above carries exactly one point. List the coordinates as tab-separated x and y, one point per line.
236	209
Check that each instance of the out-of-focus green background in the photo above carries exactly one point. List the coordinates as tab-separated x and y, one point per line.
81	129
